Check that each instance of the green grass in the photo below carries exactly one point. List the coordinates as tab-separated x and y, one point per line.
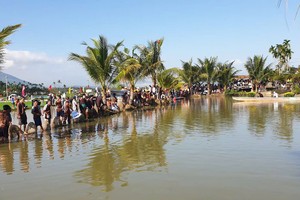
27	103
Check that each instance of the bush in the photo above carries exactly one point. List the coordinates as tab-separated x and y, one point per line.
296	89
250	94
240	94
231	93
289	94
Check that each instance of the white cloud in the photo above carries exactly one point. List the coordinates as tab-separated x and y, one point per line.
39	67
23	59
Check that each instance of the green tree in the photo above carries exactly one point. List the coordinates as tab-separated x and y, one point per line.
167	79
257	70
226	74
210	71
4	33
130	70
189	73
283	53
99	62
151	59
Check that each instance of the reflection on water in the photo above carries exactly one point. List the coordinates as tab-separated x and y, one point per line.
135	151
277	117
103	153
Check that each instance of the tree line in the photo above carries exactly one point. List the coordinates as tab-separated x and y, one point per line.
108	64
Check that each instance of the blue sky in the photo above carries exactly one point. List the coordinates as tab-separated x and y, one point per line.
228	29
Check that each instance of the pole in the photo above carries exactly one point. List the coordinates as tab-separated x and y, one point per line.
6	87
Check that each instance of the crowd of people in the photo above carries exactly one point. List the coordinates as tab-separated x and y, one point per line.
64	109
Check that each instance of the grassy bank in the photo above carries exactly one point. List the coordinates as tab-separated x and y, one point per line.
27	103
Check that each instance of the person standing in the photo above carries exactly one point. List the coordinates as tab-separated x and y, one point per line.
67	112
47	111
21	114
13	102
83	107
59	108
7	112
74	104
36	111
3	127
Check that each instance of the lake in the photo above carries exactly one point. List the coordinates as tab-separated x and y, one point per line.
206	148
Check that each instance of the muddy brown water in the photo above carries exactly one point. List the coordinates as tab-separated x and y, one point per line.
207	148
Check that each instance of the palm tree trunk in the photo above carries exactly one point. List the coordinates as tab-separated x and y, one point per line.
154	81
225	88
103	93
131	94
209	88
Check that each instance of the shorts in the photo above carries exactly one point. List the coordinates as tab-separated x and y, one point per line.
37	121
23	119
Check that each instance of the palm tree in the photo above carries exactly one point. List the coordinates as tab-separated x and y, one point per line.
99	62
4	33
166	79
226	74
257	70
283	53
151	60
189	73
130	70
210	72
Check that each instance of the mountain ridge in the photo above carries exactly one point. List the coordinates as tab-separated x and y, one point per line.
12	79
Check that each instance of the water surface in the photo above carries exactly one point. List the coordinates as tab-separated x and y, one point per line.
208	148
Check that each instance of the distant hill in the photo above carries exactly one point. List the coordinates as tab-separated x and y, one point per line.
11	79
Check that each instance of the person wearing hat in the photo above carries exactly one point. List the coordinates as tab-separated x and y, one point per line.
36	112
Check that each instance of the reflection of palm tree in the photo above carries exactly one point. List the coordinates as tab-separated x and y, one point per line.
210	116
109	161
284	126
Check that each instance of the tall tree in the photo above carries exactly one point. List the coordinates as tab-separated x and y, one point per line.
167	79
209	67
189	73
130	70
226	74
151	59
257	70
283	53
99	62
4	33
